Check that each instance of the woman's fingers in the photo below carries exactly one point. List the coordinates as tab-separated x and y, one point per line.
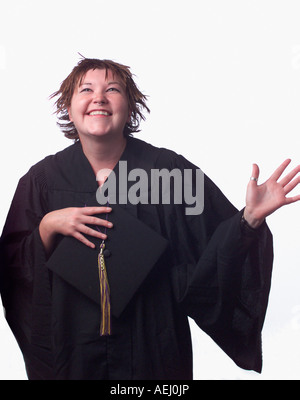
279	171
288	178
77	235
74	221
80	218
255	173
97	221
92	232
95	210
89	219
290	200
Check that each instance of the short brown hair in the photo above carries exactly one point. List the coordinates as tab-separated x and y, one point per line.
136	99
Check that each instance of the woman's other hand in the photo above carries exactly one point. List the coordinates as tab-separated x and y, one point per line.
73	221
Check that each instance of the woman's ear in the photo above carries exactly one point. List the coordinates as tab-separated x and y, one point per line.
70	115
129	116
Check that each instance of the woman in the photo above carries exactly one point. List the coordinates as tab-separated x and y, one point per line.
104	291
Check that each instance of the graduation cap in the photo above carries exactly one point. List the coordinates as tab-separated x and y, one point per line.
134	250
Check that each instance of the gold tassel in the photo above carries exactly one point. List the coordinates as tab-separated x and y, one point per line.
105	326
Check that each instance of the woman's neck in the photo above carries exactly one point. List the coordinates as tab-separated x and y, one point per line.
103	153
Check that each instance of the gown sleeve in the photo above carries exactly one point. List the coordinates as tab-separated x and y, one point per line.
20	241
22	265
222	272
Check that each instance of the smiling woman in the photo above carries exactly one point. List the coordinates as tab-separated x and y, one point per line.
98	292
136	99
99	106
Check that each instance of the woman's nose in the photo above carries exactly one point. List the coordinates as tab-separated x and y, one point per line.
100	98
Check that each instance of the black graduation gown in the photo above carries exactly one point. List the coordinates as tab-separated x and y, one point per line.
164	266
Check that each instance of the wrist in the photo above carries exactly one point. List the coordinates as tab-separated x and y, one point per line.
251	219
46	225
47	232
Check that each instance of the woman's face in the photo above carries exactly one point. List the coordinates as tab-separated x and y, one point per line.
99	105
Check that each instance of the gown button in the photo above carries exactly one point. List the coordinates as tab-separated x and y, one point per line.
106	253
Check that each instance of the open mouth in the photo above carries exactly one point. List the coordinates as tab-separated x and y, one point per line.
100	112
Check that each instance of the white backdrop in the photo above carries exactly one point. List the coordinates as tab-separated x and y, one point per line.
223	79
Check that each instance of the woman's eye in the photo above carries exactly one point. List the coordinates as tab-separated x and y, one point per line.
85	90
112	89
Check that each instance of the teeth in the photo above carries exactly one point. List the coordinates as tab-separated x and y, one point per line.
99	113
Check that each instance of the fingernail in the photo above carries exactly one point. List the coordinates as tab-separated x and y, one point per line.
108	209
109	224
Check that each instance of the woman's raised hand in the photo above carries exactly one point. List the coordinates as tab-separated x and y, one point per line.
262	200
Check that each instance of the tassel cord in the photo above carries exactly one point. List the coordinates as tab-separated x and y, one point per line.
105	325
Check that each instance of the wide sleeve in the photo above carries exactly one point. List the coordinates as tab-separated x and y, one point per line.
222	271
226	292
21	246
24	278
